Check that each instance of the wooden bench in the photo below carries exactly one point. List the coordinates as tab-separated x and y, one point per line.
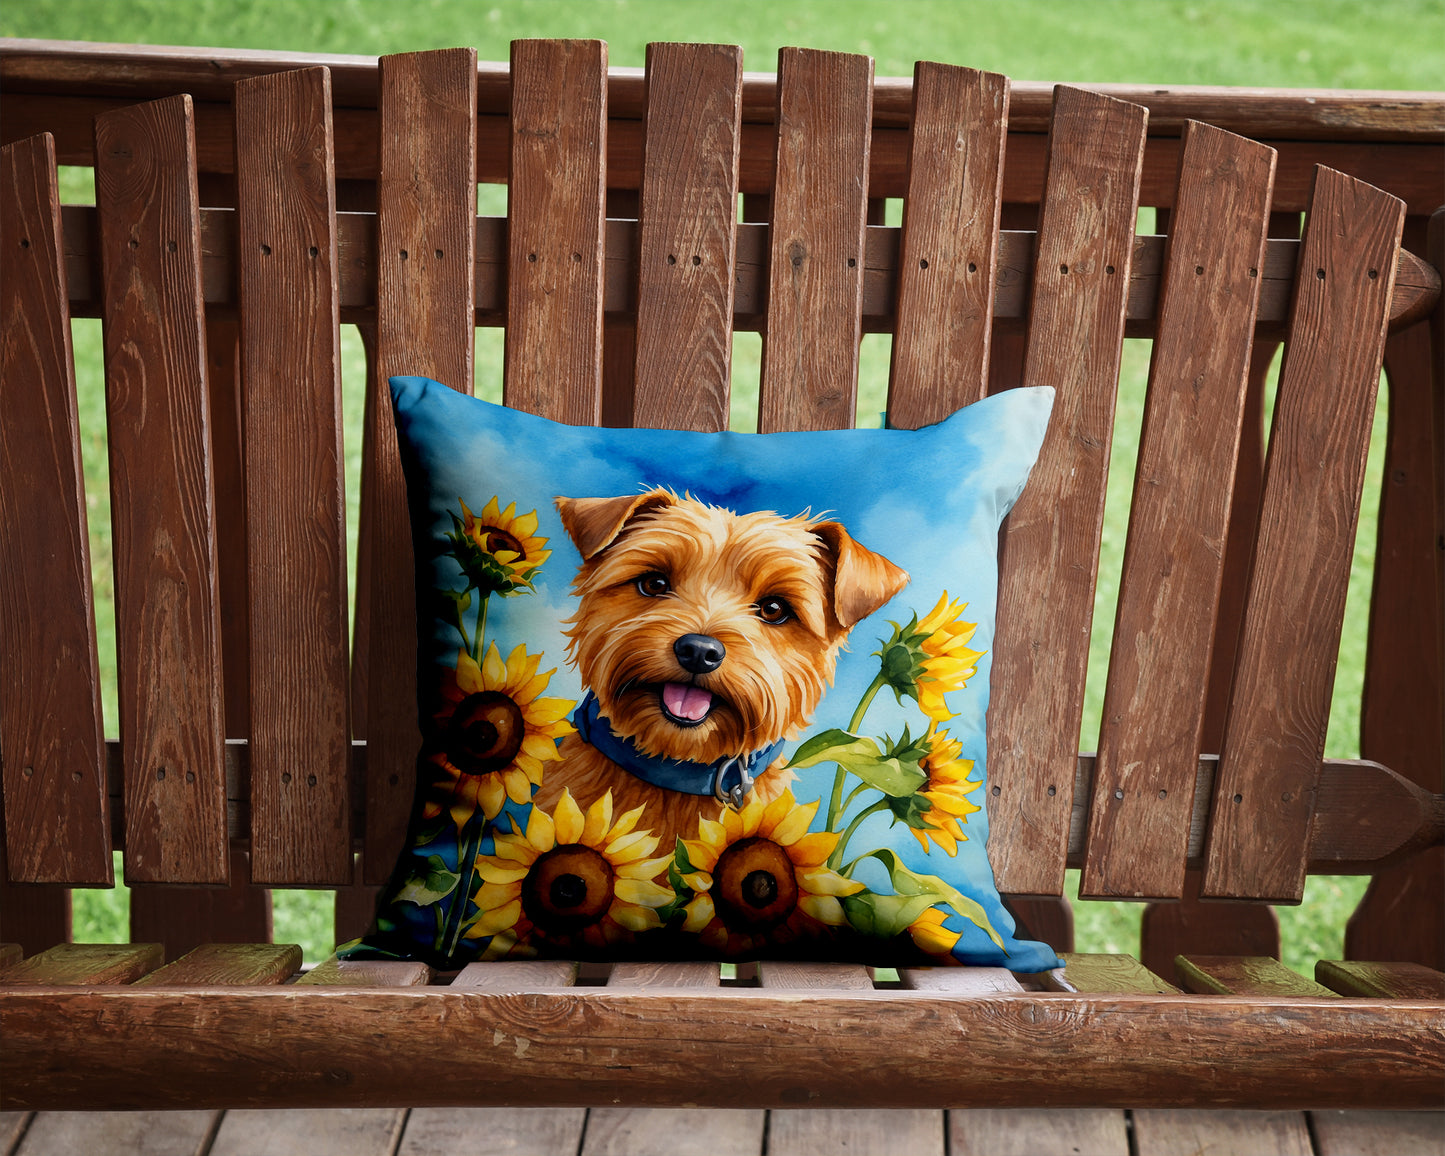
247	204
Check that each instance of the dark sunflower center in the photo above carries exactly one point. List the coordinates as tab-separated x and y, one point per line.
484	733
754	886
568	889
496	539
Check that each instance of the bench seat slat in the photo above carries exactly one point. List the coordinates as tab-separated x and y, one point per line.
426	249
335	972
83	964
300	744
1094	972
228	963
1051	542
1154	700
168	632
1384	980
687	237
816	260
1243	975
1275	731
50	728
947	271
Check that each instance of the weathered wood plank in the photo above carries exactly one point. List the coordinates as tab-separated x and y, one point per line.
1034	1131
426	222
154	1133
1154	700
869	1132
555	207
318	1132
518	975
947	266
168	629
12	1126
1096	972
228	963
1243	975
142	1045
788	975
816	260
183	918
1190	925
1385	980
524	1131
687	237
85	963
295	500
664	975
674	1132
335	972
57	822
1051	545
1354	1133
1168	1132
959	980
1275	731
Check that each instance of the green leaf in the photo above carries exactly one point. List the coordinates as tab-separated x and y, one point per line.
437	883
884	915
935	890
862	757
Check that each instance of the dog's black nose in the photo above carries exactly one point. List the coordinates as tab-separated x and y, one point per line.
699	653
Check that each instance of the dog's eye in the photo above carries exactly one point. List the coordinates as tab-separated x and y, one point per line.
774	611
653	585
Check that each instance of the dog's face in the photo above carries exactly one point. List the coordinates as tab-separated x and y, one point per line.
707	634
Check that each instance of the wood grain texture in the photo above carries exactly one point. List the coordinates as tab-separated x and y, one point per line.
183	918
524	1131
816	242
295	500
868	1132
335	972
664	975
1275	731
57	822
1034	1131
518	975
1154	699
687	237
228	963
947	267
13	1125
1095	972
1051	546
1355	1133
70	964
152	1133
294	1046
1384	980
167	618
959	980
674	1132
1168	1132
555	206
325	1132
1242	975
792	976
426	225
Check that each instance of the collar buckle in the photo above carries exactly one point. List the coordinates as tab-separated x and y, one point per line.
736	795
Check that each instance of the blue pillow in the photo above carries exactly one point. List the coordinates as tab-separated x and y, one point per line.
703	696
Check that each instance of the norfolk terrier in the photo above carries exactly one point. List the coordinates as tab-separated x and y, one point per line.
705	638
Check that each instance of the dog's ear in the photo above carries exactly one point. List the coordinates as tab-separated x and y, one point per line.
594	523
862	580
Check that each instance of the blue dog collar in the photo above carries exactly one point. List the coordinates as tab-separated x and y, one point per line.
728	779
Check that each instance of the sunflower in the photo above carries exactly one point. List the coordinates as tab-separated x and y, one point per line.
569	880
494	732
930	935
759	875
947	661
498	549
947	791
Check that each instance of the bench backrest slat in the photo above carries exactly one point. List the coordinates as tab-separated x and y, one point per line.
1051	546
556	200
1173	560
947	265
295	501
57	819
168	640
426	243
687	237
1275	732
816	266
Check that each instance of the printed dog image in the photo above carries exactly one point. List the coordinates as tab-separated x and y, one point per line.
705	638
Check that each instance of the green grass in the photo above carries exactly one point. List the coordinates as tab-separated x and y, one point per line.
1307	43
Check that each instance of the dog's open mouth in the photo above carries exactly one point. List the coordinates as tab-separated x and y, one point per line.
685	704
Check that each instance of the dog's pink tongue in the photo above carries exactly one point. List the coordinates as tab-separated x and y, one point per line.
689	702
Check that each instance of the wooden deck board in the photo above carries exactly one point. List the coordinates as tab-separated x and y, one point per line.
521	1131
314	1131
121	1133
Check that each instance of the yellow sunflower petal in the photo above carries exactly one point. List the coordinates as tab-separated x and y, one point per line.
491	795
545	711
494	670
701	855
599	819
698	880
642	868
517	666
635	918
775	812
813	849
794	825
699	914
823	908
825	882
642	892
712	837
567	819
498	919
491	871
469	674
541	831
519	787
525	525
732	824
490	896
625	823
636	845
490	512
515	849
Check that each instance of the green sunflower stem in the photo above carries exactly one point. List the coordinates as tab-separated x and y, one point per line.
481	629
467	848
835	801
872	809
462	627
